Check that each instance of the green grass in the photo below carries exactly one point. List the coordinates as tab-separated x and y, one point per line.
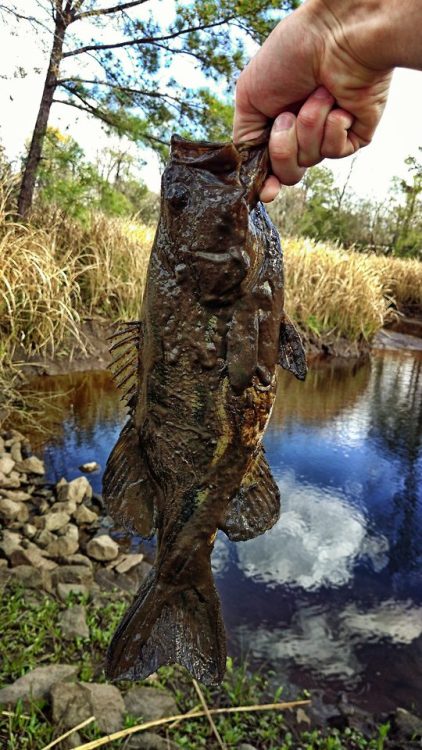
29	627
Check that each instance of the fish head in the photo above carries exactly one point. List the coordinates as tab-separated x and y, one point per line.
208	193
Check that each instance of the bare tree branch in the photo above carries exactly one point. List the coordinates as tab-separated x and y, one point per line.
147	40
106	11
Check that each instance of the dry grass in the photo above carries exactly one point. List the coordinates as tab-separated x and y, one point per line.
55	271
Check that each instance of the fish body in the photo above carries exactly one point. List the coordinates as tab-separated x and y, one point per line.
198	372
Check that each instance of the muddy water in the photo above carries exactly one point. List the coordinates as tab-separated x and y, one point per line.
331	597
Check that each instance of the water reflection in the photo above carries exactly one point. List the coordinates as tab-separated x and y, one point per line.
332	596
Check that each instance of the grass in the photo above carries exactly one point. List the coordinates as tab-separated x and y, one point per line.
34	639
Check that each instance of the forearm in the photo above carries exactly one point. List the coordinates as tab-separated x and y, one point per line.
381	34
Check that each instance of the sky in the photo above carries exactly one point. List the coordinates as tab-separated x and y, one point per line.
398	135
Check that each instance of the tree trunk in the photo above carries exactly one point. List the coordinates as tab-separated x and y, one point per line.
26	192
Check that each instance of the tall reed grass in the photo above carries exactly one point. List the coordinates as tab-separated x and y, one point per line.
54	272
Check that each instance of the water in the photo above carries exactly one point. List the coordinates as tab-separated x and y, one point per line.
331	597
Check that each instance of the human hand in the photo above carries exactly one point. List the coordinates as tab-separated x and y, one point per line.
323	81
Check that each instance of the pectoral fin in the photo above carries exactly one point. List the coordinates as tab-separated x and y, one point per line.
256	507
242	347
126	344
128	487
291	352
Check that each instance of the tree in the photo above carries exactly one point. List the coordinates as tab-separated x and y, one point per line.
407	239
117	72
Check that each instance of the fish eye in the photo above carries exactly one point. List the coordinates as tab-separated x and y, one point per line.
178	197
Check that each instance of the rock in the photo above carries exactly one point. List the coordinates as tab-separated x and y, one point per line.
31	556
150	704
245	746
37	684
65	589
13	481
5	576
1	446
109	581
80	574
12	511
67	544
6	465
89	467
9	542
76	490
74	740
407	724
84	515
55	521
127	562
102	548
44	538
149	741
17	495
31	465
68	507
33	578
29	530
78	559
73	623
15	452
72	704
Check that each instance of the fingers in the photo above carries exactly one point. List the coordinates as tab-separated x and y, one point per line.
311	123
283	149
338	140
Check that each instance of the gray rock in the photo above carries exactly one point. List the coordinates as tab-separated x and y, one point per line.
15	452
68	507
80	574
65	589
31	465
67	544
12	511
149	741
407	724
5	576
37	684
9	542
33	578
84	515
78	559
30	556
72	704
44	538
73	623
29	530
109	581
125	563
89	467
55	521
12	481
6	465
245	746
102	548
1	446
19	496
76	490
149	703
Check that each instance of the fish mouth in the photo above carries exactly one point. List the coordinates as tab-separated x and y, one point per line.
215	257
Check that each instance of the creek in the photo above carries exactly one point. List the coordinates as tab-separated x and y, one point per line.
331	597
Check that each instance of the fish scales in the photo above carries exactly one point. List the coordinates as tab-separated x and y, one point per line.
190	460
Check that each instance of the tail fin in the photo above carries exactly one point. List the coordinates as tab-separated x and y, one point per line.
167	625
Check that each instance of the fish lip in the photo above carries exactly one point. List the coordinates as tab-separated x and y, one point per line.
215	257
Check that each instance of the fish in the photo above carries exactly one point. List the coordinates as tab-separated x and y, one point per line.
198	374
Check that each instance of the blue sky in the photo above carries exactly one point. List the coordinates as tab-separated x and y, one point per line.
399	134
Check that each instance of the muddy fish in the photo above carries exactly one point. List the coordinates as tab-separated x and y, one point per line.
198	372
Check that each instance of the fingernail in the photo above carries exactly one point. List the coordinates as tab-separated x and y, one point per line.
322	93
285	121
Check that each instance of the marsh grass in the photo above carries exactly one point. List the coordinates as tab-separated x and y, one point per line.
56	271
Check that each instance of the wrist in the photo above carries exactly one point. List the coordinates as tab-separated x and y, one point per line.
379	34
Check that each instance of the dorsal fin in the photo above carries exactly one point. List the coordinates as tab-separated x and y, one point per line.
126	345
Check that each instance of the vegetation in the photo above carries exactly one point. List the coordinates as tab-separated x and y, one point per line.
324	211
99	54
36	640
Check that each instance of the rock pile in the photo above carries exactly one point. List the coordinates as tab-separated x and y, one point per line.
55	537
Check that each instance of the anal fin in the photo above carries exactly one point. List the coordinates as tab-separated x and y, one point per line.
256	507
128	487
291	352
